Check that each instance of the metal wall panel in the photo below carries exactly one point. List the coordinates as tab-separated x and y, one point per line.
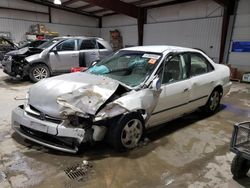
63	17
198	33
118	20
190	10
195	24
18	28
241	32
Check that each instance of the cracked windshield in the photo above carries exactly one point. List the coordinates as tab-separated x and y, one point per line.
128	67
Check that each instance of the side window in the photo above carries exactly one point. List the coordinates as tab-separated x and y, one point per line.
175	69
88	45
199	64
68	45
100	46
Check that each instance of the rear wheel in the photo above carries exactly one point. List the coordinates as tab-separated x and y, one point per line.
239	167
126	132
213	102
39	72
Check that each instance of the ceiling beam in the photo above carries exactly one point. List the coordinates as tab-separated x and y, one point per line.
109	14
169	3
69	2
23	10
140	2
116	6
98	11
85	7
61	7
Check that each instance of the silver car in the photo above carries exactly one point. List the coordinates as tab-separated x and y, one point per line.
121	96
59	56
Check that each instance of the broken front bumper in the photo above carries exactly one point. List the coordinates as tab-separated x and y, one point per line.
46	132
7	64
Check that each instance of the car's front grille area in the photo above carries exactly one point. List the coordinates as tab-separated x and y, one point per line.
39	115
59	141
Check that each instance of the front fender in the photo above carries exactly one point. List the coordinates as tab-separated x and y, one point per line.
144	100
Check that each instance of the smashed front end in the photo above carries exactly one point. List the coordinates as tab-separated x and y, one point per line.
15	66
62	112
14	63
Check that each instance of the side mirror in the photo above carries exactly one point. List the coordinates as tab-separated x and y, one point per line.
93	63
156	84
54	50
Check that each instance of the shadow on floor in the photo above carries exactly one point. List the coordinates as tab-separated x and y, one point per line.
101	150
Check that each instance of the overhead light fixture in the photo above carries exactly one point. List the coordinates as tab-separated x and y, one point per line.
57	2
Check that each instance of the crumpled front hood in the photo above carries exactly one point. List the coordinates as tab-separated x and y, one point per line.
70	93
34	57
18	52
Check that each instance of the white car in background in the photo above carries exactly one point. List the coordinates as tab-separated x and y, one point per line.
121	96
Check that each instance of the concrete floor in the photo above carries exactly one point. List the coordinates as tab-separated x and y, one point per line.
192	151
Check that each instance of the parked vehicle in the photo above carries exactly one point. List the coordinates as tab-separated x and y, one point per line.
11	49
121	96
6	46
60	57
240	145
14	63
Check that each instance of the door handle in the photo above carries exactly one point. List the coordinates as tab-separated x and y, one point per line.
211	82
73	55
93	53
185	90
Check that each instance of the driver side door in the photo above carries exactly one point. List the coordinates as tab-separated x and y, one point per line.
64	56
175	93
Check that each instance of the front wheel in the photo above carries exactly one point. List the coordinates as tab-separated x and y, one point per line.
126	132
39	72
239	167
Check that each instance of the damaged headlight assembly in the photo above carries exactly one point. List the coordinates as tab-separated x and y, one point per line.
110	110
79	122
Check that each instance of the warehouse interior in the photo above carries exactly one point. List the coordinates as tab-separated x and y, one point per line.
191	151
203	22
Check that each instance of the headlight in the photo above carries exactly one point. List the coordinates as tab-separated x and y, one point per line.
110	110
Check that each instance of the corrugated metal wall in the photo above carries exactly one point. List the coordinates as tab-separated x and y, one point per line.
198	33
194	24
18	28
66	23
241	32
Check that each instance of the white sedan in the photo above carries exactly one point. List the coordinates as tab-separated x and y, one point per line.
121	96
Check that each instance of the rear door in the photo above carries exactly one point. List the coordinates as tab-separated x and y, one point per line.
173	100
64	56
202	76
88	52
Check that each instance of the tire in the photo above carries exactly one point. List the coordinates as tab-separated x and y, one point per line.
126	131
213	102
39	72
239	167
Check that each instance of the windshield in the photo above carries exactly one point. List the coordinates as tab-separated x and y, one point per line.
23	44
48	43
128	67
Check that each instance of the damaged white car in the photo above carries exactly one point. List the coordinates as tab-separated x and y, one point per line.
121	96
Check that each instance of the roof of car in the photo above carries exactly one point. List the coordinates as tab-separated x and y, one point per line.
78	37
159	48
